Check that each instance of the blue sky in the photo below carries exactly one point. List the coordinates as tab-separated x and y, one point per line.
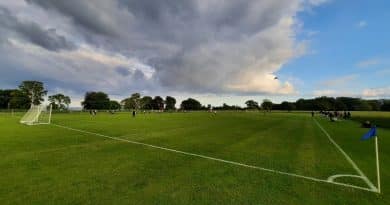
215	51
350	41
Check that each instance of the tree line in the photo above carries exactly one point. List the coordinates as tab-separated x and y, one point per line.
101	101
339	103
33	93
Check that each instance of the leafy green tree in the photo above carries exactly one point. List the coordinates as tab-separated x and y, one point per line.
339	105
170	103
374	104
266	105
363	105
251	104
287	106
324	103
303	104
115	105
96	100
19	100
59	101
5	97
228	107
34	90
386	105
191	104
147	103
158	103
133	102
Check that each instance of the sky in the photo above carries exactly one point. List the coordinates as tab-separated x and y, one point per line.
217	51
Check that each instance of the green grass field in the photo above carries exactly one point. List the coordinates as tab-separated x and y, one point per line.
48	164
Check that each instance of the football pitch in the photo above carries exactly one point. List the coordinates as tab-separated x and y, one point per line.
192	158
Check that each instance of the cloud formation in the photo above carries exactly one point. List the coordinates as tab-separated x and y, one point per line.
368	62
172	45
382	92
361	24
32	32
339	81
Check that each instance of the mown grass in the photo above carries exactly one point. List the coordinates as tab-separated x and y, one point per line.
381	119
51	165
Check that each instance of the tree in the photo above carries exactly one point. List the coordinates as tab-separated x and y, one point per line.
115	105
374	104
228	107
267	105
34	90
287	106
60	101
146	103
19	100
363	105
190	104
303	104
251	104
5	98
158	103
324	103
96	100
133	102
170	103
339	105
386	105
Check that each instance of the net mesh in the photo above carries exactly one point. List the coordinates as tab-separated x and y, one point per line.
37	114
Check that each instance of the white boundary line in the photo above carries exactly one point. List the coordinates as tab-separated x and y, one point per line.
217	159
363	176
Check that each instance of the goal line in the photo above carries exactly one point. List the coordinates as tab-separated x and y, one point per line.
218	159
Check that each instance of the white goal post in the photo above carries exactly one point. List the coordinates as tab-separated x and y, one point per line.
37	114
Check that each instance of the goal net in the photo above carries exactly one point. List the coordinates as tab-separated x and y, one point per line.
37	114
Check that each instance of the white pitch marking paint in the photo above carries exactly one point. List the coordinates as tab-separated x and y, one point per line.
363	176
332	178
216	159
378	175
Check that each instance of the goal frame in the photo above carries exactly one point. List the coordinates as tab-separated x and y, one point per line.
35	120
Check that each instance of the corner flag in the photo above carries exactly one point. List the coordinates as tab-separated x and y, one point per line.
370	134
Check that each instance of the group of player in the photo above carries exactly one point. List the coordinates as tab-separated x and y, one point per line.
335	115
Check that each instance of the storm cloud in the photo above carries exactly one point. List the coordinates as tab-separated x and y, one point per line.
32	32
233	47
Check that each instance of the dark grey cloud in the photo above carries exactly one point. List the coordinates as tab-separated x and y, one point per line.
192	46
123	71
90	15
32	32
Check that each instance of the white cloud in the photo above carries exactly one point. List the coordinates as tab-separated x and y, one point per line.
339	81
382	92
362	24
368	62
383	73
317	2
324	92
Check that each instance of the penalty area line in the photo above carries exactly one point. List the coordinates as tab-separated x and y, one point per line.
216	159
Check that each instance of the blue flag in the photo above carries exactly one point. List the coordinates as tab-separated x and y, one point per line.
370	134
